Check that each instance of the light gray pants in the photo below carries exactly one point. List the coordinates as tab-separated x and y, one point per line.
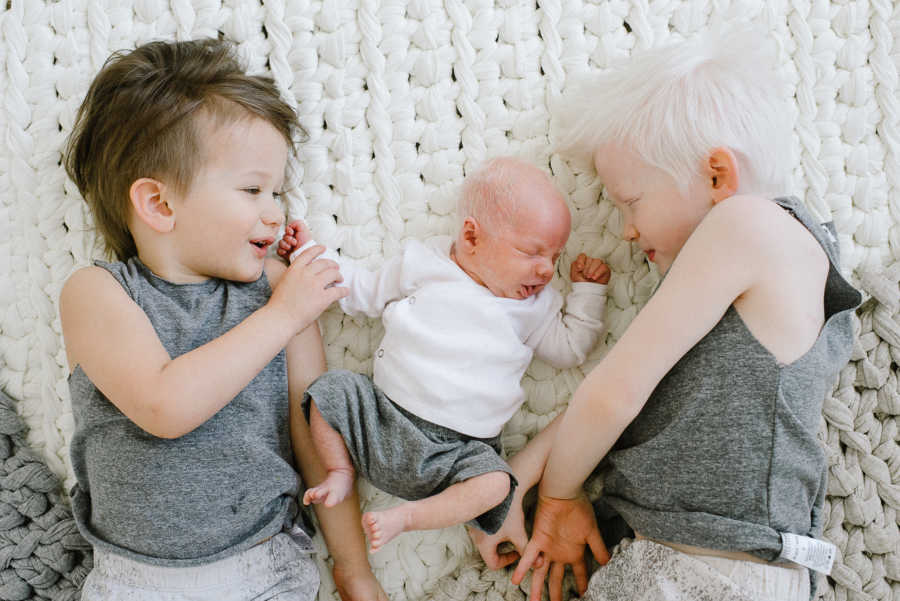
643	570
275	570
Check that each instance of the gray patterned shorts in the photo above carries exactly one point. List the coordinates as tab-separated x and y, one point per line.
643	570
400	453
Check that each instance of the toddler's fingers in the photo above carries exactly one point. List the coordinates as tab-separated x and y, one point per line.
337	293
309	255
320	266
501	560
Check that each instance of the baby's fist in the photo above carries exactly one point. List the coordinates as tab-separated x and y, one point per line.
589	269
296	234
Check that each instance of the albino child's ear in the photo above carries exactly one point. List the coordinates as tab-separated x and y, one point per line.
722	173
149	204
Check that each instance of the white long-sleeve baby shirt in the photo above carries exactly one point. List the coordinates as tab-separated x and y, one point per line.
453	353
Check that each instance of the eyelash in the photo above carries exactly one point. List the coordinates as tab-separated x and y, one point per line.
254	191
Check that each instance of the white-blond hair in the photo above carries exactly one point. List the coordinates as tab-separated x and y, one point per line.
672	105
489	194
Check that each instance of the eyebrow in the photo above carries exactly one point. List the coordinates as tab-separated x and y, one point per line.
256	172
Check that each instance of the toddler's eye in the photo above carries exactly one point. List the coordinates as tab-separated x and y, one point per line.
252	190
277	194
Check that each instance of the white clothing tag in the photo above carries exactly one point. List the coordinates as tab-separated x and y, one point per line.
294	254
809	552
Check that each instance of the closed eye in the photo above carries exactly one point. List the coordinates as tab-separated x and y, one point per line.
252	190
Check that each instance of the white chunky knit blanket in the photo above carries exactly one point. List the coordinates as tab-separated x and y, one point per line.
400	99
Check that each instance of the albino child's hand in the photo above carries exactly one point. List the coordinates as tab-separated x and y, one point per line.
296	234
588	269
562	528
308	287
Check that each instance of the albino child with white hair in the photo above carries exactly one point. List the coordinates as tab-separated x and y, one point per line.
463	318
705	412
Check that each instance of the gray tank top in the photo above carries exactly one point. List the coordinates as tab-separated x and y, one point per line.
724	455
211	493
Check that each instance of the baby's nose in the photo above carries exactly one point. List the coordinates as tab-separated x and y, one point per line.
630	233
545	268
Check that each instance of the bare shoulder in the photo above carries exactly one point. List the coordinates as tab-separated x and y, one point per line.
755	216
747	219
89	301
85	285
274	269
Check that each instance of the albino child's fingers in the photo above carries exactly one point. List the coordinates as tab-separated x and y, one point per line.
555	581
537	582
532	551
598	547
579	570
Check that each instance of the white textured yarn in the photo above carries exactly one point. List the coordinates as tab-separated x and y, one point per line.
400	99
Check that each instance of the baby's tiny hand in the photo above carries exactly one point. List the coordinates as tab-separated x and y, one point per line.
296	234
589	269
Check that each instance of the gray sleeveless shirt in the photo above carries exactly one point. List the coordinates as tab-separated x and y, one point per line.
724	454
211	493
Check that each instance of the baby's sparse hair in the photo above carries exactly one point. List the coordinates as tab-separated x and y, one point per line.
488	195
140	119
672	105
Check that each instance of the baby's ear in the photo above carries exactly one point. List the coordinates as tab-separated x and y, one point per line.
148	199
470	235
723	176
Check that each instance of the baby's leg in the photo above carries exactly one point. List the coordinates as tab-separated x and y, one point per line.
456	504
330	445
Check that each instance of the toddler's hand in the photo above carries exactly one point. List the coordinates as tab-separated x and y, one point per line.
296	234
308	287
588	269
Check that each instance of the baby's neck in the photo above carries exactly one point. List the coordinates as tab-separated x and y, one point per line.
461	264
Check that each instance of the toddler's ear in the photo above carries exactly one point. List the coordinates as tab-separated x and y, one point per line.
149	204
722	174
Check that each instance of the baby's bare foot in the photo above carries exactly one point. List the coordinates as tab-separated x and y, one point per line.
382	526
332	490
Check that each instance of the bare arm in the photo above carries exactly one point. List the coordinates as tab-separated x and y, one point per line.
527	465
710	273
113	341
725	257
